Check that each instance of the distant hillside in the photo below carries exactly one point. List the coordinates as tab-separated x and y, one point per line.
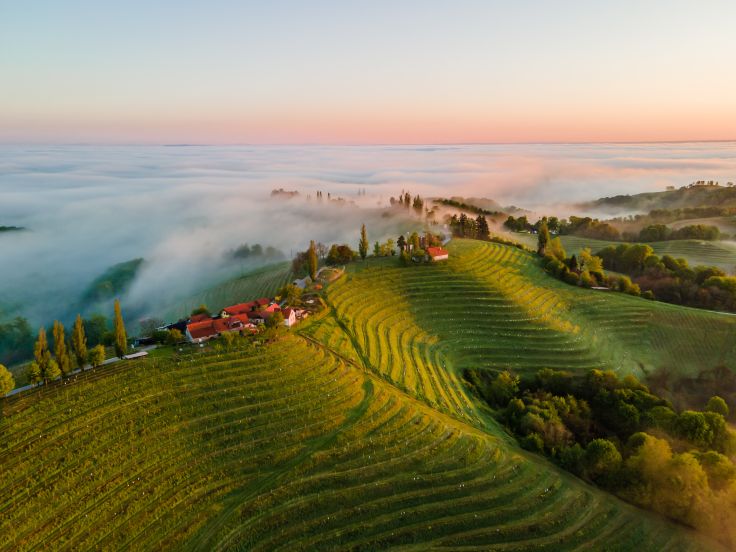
113	282
11	228
694	195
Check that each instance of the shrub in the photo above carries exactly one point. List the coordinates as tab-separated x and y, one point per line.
602	460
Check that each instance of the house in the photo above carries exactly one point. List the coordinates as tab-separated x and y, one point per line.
438	253
289	317
244	308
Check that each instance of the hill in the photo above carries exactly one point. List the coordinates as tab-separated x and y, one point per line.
697	252
491	306
695	195
286	446
264	281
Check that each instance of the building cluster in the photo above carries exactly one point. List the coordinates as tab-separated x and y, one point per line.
242	318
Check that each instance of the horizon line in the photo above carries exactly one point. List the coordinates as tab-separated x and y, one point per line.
376	144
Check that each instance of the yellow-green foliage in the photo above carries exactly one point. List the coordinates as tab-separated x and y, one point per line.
284	446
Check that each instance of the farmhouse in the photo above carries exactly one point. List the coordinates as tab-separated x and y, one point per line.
237	318
438	253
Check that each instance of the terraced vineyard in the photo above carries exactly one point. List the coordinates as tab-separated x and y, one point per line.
263	282
712	253
284	447
492	306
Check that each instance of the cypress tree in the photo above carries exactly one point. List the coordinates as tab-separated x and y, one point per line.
79	342
484	232
121	339
363	243
312	260
41	351
543	239
60	351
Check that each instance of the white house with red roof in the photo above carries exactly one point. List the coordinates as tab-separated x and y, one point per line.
438	253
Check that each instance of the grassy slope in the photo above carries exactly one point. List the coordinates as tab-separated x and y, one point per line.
697	252
262	282
492	306
289	448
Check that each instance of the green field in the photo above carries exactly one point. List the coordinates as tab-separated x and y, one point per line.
491	306
283	448
262	282
354	433
697	252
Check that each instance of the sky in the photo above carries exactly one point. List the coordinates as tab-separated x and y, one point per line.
366	72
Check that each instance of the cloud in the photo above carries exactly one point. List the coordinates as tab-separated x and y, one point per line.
181	207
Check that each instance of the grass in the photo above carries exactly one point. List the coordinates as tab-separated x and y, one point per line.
697	252
356	433
263	282
284	447
491	306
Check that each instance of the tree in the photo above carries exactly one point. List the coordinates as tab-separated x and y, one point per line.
7	383
602	459
376	249
95	328
60	351
275	320
503	388
201	309
590	262
401	242
121	339
718	405
43	357
482	229
363	243
33	373
414	241
556	250
291	294
97	356
312	260
79	342
174	336
543	239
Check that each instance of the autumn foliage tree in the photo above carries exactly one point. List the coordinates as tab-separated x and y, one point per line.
79	342
121	338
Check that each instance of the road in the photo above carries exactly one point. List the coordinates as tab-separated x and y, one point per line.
79	370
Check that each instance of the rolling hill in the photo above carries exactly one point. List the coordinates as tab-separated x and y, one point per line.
356	432
290	447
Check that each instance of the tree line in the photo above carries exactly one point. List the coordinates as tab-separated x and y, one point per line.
620	436
672	280
58	358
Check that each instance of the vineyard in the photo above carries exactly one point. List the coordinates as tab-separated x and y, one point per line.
283	447
263	282
491	306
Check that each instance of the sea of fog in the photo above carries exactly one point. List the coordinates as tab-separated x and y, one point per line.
181	207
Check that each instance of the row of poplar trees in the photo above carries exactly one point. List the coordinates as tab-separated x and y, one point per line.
66	354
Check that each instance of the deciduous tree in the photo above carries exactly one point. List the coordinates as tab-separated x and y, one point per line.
363	243
121	338
63	360
79	342
312	260
97	356
7	383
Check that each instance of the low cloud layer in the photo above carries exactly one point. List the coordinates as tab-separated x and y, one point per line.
180	207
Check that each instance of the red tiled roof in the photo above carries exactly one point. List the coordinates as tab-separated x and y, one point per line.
199	317
242	308
201	329
436	251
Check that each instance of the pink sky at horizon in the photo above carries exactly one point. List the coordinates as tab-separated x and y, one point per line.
411	72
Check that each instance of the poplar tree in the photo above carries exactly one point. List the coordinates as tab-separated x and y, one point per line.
121	339
543	239
41	352
60	351
363	243
7	383
312	260
79	342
